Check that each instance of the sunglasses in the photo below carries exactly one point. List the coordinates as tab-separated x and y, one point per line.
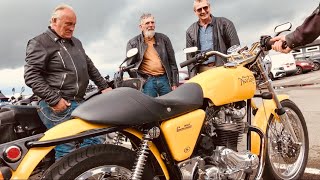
205	8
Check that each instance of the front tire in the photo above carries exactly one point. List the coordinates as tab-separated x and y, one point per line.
286	160
97	162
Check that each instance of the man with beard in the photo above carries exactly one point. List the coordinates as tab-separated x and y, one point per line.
155	60
209	33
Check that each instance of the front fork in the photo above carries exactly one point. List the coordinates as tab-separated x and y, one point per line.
281	112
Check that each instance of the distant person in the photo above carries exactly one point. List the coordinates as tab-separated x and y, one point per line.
155	60
58	71
209	33
306	33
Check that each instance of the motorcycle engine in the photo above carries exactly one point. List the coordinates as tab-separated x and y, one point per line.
224	126
218	157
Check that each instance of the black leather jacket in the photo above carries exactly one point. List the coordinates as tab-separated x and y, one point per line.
307	32
56	68
165	50
224	36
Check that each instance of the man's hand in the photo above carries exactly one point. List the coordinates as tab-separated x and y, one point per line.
106	90
174	87
61	105
277	46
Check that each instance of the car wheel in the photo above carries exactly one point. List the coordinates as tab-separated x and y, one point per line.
316	66
299	70
271	76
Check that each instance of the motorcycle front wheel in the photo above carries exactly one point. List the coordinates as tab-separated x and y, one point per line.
103	161
286	160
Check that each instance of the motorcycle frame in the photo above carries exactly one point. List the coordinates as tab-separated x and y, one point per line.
41	148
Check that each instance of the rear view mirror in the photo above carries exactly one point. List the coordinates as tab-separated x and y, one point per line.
283	27
190	50
132	52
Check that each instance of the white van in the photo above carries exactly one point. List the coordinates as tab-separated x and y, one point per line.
275	72
286	61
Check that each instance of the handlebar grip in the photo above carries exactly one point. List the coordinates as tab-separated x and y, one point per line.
268	44
187	62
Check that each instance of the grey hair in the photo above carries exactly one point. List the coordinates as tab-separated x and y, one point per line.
56	13
199	1
145	16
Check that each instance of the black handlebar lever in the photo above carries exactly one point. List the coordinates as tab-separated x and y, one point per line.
198	59
266	44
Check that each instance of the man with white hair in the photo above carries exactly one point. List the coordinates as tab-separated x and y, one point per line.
155	60
58	71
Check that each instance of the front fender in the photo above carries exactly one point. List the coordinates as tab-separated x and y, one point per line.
69	128
261	120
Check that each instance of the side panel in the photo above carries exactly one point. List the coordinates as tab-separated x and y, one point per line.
225	85
181	133
35	155
261	120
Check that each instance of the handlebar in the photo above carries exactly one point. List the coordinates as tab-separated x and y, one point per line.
187	62
127	67
267	44
203	56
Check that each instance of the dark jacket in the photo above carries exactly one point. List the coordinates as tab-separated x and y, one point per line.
56	68
165	50
224	36
307	32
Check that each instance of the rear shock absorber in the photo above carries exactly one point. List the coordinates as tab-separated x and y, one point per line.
143	152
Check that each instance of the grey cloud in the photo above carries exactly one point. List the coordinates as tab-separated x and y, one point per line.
22	20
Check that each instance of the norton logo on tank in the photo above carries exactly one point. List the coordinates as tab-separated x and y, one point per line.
186	126
246	79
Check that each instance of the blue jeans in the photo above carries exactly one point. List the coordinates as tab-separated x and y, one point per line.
51	119
156	86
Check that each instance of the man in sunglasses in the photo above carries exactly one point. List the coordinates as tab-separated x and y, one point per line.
209	33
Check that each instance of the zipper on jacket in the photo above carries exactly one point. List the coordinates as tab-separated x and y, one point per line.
61	59
63	79
64	47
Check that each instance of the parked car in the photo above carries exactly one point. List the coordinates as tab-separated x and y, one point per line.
316	62
303	65
275	71
183	77
286	61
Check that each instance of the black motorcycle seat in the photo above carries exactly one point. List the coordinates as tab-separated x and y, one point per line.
128	106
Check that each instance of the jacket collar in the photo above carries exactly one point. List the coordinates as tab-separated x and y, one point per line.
55	37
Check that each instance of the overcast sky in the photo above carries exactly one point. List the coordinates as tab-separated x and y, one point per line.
105	26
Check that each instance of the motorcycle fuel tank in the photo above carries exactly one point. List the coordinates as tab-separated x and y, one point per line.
181	133
223	85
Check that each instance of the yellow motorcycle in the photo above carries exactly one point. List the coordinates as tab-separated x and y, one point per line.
191	133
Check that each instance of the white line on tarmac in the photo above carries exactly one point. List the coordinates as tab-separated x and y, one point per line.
312	171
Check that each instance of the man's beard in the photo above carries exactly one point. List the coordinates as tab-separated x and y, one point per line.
149	33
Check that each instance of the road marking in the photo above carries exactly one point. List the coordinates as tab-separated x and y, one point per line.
312	171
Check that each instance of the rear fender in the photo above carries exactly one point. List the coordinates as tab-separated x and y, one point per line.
261	118
35	155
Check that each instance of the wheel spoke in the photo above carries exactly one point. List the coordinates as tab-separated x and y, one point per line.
286	157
